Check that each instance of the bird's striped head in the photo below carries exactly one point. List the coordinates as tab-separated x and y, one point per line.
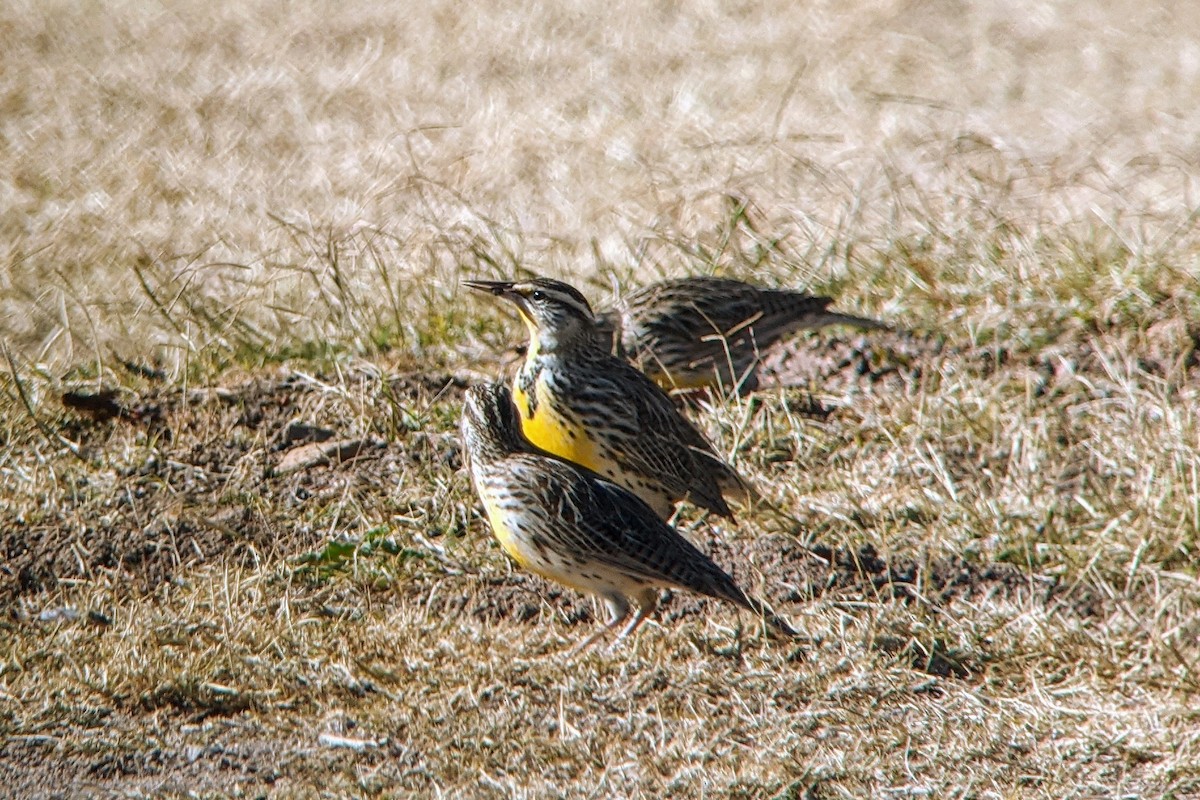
557	314
491	428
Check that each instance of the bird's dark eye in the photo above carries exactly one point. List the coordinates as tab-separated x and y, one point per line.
537	294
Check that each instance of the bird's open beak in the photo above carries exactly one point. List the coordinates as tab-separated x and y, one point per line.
504	289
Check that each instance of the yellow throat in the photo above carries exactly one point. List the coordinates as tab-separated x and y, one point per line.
548	428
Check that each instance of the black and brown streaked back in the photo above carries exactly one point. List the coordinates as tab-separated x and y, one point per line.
491	428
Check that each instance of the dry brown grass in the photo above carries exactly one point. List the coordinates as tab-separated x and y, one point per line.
265	212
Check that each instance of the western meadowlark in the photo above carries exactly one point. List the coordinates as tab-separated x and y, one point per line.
580	402
702	331
568	524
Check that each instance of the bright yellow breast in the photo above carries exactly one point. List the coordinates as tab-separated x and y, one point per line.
545	426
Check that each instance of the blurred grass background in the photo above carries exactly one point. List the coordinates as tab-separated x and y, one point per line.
268	178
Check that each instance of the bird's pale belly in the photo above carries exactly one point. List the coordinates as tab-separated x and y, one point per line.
547	562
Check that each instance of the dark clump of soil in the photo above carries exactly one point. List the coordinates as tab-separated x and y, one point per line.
933	657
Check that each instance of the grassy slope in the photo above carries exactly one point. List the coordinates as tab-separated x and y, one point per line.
234	197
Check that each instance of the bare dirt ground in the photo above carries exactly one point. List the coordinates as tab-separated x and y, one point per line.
224	451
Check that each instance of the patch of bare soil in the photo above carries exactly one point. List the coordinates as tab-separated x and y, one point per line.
895	359
215	483
886	359
227	471
205	485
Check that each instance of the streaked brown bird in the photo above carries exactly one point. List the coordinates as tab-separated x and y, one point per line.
707	332
570	525
580	402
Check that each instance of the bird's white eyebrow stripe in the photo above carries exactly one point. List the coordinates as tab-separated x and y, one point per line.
567	298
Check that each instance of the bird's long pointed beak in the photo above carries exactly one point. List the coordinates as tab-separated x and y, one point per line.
498	288
504	290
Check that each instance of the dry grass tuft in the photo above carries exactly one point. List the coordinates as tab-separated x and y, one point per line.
229	234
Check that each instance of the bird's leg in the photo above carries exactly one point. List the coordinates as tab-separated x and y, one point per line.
647	602
618	609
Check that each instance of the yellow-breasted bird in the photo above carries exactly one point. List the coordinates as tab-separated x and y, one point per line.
566	523
580	402
707	332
